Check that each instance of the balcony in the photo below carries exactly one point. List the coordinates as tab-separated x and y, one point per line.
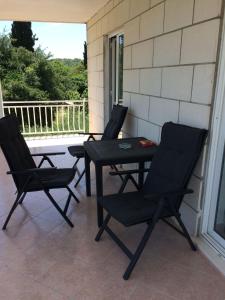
48	118
42	258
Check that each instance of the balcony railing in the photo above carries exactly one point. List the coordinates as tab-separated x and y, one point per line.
49	117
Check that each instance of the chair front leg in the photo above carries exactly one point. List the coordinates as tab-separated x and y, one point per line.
139	251
58	208
143	241
102	228
15	204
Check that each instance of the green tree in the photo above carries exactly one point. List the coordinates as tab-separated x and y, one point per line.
27	75
22	35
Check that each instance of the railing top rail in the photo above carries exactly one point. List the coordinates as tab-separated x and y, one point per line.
46	102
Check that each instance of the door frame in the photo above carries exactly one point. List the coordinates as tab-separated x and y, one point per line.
107	106
216	123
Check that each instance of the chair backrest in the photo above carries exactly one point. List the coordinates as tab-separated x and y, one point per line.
175	159
115	123
15	148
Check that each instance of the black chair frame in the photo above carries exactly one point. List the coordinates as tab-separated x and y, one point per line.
163	191
27	176
162	201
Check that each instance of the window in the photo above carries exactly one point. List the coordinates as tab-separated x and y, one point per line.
116	49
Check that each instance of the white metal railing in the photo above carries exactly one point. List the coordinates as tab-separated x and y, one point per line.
49	117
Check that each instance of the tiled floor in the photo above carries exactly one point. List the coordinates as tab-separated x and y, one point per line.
42	258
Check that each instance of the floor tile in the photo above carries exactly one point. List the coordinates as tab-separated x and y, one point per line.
42	258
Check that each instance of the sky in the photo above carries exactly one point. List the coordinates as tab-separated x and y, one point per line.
62	40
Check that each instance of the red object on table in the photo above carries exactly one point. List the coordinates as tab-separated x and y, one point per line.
147	143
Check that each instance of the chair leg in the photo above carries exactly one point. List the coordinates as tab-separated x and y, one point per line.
134	182
67	204
22	198
123	185
72	194
102	228
58	208
186	234
75	166
125	181
144	241
79	179
116	169
15	204
139	251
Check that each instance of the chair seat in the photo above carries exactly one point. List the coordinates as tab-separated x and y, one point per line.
130	208
55	178
77	151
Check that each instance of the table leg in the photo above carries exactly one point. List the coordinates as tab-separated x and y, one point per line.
99	193
87	174
141	175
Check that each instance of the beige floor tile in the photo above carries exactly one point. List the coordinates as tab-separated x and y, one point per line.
42	258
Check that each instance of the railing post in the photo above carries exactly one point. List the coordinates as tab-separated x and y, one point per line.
1	102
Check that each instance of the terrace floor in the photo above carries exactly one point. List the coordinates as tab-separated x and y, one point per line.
42	258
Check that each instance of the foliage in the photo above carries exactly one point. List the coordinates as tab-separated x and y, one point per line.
22	35
27	75
68	61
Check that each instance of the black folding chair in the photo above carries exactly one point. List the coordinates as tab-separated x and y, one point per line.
111	132
163	191
27	176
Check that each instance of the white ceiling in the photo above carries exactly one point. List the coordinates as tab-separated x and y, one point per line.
78	11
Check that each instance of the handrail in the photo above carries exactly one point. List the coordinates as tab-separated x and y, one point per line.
49	117
46	101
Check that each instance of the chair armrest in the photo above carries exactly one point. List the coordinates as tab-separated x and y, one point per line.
129	172
48	154
29	171
181	192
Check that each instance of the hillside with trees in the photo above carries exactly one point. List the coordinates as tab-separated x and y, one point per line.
29	74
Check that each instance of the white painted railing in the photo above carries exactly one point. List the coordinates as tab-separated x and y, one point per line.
49	117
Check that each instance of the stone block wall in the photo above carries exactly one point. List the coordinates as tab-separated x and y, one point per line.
171	49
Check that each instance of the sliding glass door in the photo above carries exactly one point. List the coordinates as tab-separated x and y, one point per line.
215	217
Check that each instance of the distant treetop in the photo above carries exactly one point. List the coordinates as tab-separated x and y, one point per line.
22	35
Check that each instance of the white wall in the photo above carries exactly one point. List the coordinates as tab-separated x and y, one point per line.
169	70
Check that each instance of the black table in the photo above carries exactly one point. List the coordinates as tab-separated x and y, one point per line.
107	153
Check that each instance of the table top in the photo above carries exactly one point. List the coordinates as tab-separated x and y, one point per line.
109	152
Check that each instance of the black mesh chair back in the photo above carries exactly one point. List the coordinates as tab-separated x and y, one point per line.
15	148
27	176
176	156
115	123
